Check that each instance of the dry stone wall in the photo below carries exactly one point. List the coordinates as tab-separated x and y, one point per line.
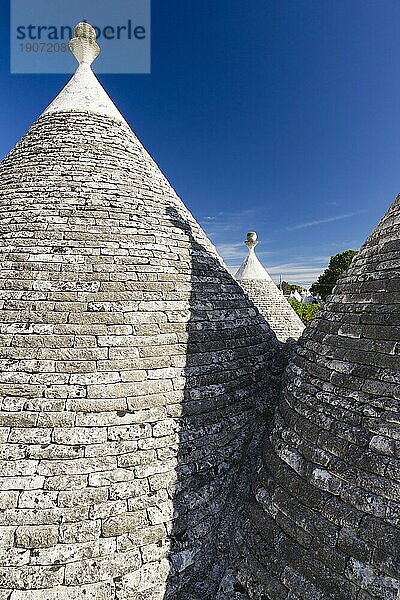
323	522
274	307
133	373
137	380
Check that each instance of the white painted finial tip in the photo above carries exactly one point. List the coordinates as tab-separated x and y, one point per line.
251	240
84	46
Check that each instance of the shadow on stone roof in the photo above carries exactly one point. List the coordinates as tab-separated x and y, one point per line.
232	381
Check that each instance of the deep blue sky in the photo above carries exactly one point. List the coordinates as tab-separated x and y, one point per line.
274	115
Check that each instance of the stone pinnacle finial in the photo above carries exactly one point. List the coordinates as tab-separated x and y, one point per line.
84	46
251	240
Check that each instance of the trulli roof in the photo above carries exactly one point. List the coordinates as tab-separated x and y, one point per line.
133	366
271	303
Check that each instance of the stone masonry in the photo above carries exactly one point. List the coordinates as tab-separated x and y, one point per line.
271	303
134	370
324	518
146	450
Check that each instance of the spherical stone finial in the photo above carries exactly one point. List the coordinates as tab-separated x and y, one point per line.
84	29
84	46
251	240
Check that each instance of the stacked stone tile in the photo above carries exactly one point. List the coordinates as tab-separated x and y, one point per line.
324	518
137	379
271	303
133	368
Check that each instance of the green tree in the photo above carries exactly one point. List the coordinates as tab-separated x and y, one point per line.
306	312
338	264
287	288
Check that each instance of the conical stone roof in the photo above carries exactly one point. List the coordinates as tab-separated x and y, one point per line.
271	303
324	521
133	368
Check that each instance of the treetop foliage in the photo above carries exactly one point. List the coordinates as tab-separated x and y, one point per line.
306	312
287	288
338	264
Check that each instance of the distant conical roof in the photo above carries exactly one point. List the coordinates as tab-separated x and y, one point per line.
251	268
325	518
133	367
271	303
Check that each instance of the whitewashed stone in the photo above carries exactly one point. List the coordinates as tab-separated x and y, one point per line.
133	368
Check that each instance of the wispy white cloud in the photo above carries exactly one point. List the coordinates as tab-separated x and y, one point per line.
303	273
306	272
231	252
322	221
228	230
221	224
